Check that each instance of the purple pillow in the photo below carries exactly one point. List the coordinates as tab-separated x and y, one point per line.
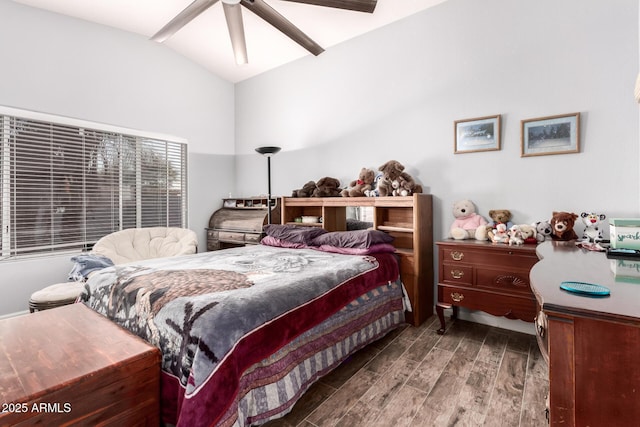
293	233
352	239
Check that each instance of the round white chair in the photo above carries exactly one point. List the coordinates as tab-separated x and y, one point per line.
55	296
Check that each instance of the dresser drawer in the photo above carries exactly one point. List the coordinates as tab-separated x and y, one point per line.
498	256
498	304
457	274
502	280
252	238
230	236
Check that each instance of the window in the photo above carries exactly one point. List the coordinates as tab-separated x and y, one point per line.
66	183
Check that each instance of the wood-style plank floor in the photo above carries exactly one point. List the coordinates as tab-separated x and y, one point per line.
474	375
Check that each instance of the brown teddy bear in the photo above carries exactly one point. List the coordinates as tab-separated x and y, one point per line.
327	187
498	216
306	190
357	188
392	171
562	226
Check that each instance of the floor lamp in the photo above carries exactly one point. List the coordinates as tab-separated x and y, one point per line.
268	152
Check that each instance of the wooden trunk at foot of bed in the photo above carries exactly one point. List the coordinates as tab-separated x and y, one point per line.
70	365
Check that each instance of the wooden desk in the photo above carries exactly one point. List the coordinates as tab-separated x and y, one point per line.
593	344
70	365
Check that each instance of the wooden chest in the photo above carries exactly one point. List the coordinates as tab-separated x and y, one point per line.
70	365
490	277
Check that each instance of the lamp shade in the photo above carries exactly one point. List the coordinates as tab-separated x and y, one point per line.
268	151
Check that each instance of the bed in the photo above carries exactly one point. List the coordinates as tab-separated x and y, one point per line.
245	331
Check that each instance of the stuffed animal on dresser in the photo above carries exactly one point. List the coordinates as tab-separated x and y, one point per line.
500	234
592	226
515	236
498	216
543	230
467	224
562	226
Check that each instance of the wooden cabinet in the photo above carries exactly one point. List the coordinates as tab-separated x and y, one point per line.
72	366
486	276
591	344
239	222
408	219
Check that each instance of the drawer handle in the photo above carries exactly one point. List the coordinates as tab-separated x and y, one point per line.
457	255
457	296
457	274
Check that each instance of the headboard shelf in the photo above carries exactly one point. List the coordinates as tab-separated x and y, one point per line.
409	219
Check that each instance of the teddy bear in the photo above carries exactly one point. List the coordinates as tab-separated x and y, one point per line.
562	226
500	234
327	187
374	192
391	171
357	188
543	230
306	190
467	224
498	216
592	231
515	236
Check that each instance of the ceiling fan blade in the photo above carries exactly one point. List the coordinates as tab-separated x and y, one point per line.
182	19
355	5
233	14
266	12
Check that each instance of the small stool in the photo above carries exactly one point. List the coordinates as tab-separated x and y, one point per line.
55	296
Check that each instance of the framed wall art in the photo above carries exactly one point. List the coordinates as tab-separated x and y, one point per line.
550	135
479	134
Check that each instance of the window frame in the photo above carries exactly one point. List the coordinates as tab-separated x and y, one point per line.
175	150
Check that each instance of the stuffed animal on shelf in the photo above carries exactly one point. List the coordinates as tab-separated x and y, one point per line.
500	234
392	171
498	216
306	190
515	236
327	187
543	230
374	192
467	224
358	187
592	231
562	226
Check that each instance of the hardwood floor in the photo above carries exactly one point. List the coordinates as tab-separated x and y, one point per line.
474	375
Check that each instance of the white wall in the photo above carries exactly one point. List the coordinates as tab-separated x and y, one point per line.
395	93
64	66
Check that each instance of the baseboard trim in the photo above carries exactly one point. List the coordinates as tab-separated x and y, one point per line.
17	313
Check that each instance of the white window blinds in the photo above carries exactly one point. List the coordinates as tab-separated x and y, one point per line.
65	186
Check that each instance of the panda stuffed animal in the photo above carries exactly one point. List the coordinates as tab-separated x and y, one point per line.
592	229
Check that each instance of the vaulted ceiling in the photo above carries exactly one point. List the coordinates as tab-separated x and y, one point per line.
206	40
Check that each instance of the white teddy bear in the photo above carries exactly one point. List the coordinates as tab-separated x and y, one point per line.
467	224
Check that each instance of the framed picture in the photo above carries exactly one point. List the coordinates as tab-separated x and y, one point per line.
480	134
550	135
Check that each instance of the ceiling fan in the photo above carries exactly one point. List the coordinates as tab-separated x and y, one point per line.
233	15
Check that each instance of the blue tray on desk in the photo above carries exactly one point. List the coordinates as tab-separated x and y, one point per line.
586	289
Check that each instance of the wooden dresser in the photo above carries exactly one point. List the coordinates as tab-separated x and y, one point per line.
408	219
592	344
70	365
481	275
239	222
